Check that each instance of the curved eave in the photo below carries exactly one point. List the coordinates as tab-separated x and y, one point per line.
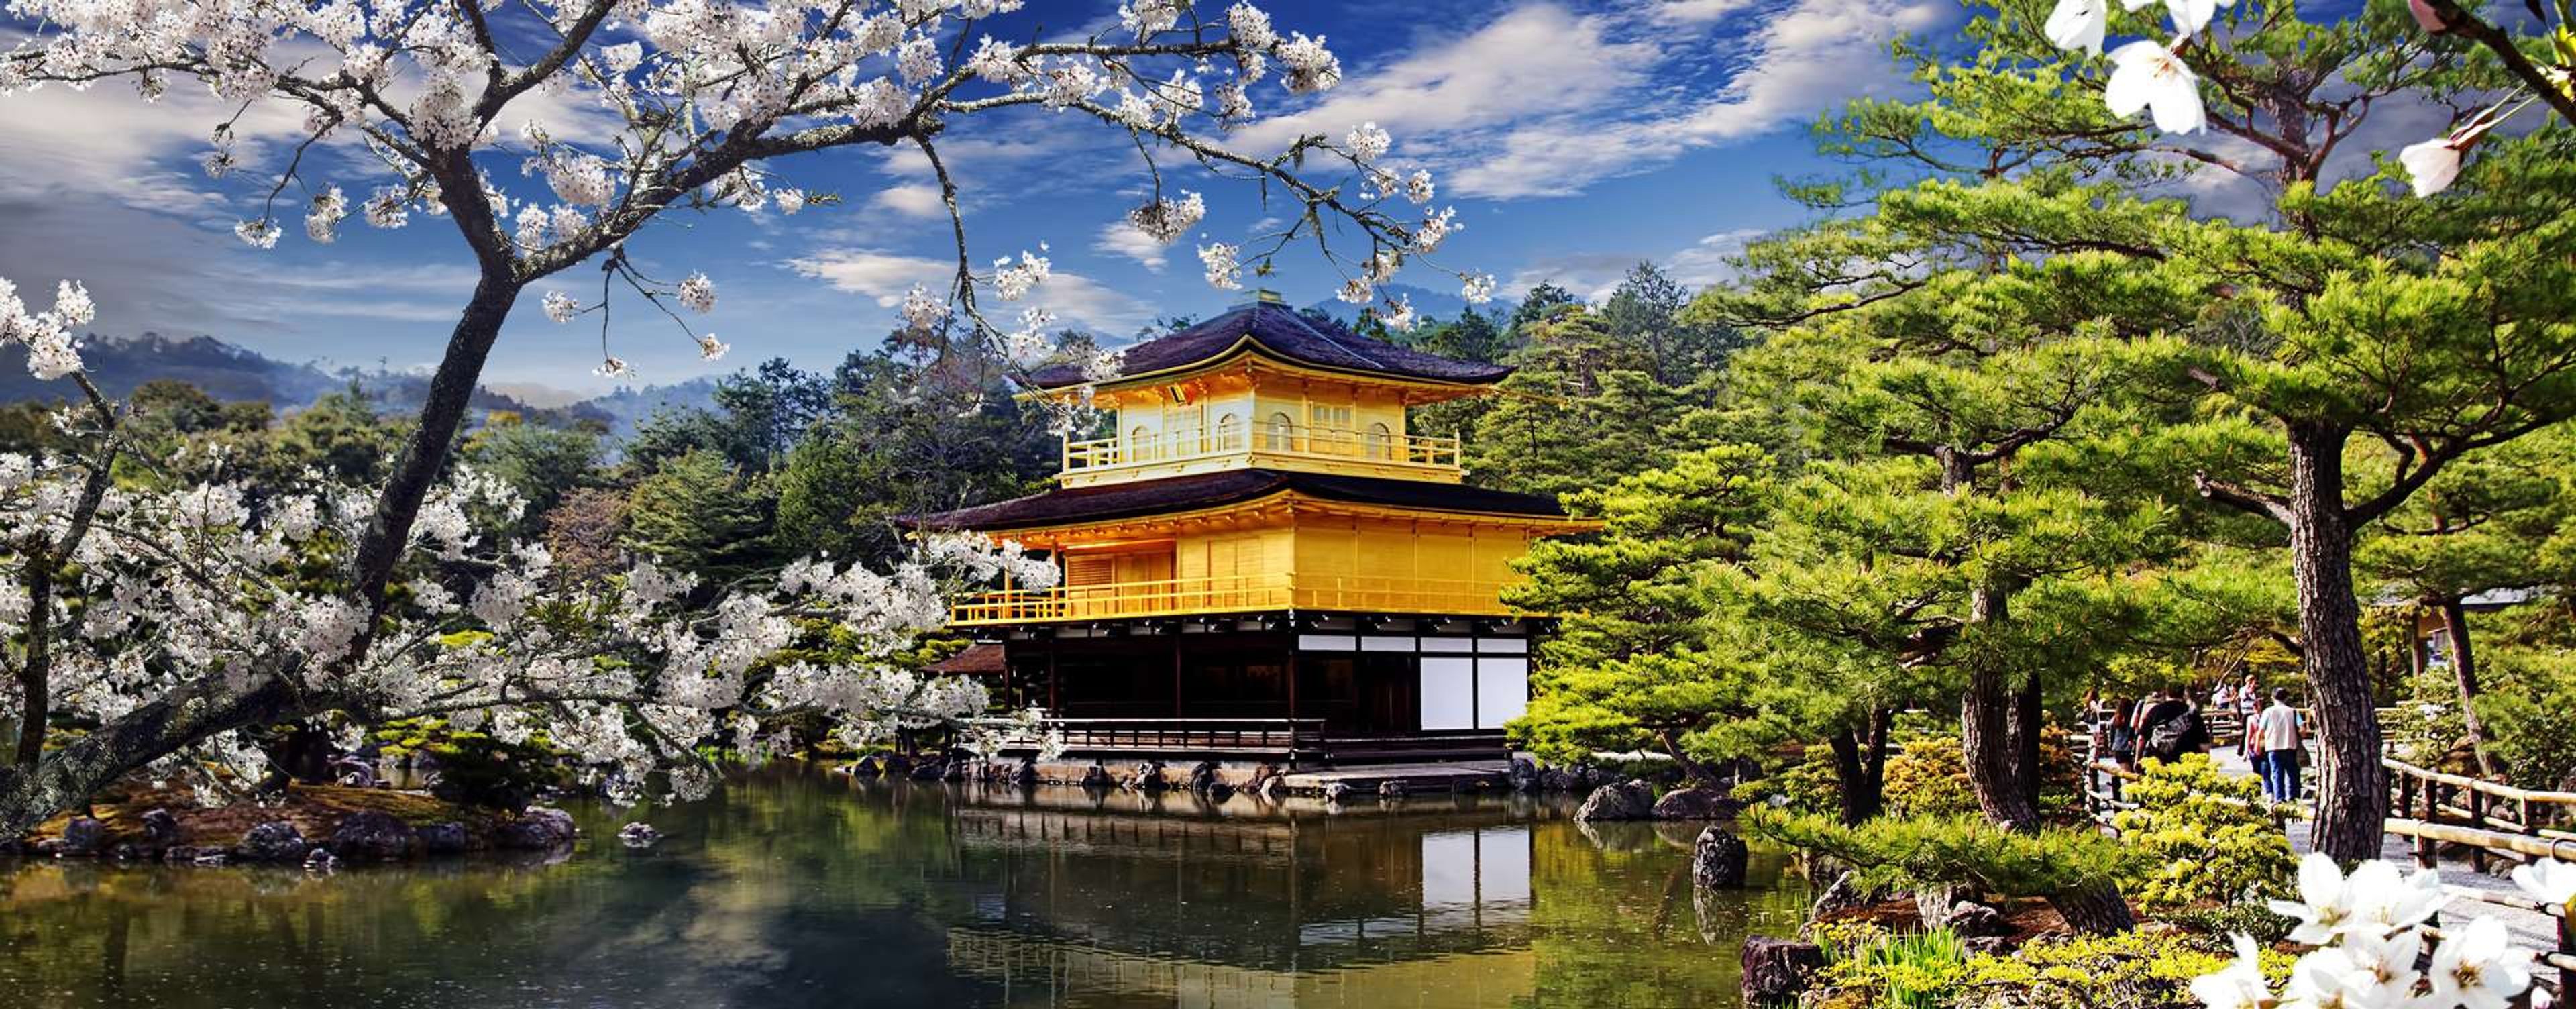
1293	501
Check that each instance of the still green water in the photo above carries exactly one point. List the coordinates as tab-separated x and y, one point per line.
793	887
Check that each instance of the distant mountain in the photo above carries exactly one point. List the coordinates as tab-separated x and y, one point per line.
624	409
226	372
1427	304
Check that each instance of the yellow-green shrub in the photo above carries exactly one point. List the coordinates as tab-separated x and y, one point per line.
2131	970
2207	836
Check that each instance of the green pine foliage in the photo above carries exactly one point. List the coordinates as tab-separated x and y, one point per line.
1911	853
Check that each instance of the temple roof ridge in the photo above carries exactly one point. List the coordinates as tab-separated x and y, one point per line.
1270	325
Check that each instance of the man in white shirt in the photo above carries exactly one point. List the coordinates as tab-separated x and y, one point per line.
2276	735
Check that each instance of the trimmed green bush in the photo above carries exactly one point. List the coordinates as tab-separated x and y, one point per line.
2206	837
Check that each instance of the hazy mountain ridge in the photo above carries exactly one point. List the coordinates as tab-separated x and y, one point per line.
230	372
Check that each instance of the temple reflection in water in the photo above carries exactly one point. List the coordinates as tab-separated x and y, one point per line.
1119	899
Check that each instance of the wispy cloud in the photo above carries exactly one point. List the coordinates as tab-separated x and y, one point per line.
885	277
1541	101
1121	239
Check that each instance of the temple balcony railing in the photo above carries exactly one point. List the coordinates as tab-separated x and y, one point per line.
1219	594
1265	446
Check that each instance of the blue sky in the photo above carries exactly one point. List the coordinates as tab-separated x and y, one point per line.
1574	139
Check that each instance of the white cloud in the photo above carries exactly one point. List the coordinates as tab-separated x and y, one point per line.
1119	238
886	276
1543	102
910	200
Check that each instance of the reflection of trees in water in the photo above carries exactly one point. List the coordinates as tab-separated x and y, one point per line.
1617	921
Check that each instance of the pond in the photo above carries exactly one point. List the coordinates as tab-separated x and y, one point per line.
795	887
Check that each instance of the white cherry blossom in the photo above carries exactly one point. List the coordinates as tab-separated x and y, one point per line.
2548	880
697	293
2478	967
2079	24
2146	75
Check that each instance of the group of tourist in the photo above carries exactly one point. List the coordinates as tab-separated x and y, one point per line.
2164	725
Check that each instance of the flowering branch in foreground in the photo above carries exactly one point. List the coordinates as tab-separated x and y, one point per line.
2370	930
175	613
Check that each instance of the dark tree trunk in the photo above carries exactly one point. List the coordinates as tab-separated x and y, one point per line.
2464	671
35	687
442	413
69	775
2099	910
2030	716
2352	787
1696	771
1853	770
1847	773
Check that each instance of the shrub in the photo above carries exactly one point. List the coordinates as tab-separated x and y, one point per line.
1868	965
2204	837
2525	710
2254	920
1929	777
1809	786
2131	970
1910	854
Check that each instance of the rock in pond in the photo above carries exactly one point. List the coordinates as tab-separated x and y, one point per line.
1696	804
274	841
540	828
84	836
160	828
373	836
638	835
1627	800
1717	859
444	839
1777	971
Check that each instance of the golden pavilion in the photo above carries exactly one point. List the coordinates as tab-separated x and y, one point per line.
1261	560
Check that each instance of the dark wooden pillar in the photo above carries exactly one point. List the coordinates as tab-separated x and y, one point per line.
1177	667
1055	702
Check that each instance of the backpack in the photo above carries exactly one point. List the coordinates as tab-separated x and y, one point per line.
2174	736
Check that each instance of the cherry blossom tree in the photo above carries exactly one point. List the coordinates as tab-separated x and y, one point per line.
170	615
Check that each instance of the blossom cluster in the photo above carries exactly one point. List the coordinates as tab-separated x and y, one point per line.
47	335
658	103
184	578
2370	931
628	673
2152	76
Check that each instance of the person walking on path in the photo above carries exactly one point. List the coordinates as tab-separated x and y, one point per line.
2249	703
2276	732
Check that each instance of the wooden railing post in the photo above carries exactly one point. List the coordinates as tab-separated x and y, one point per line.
2478	819
2567	952
2427	850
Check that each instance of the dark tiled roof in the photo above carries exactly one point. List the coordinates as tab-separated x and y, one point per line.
1101	502
980	657
1324	344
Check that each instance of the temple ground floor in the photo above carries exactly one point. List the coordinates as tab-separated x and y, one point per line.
1300	688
